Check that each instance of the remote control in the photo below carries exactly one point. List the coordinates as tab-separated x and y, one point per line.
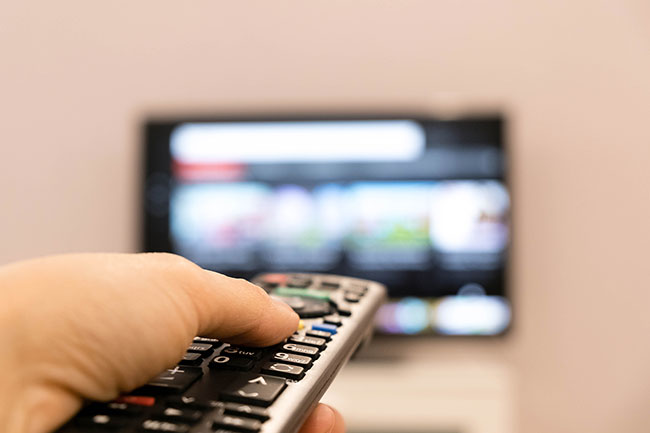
222	388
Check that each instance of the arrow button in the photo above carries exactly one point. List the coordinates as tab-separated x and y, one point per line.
236	423
258	379
254	389
247	411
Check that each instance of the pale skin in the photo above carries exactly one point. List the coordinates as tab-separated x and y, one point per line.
94	326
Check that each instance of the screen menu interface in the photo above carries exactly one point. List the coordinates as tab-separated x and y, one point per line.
419	206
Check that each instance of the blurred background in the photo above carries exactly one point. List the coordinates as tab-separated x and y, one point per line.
77	79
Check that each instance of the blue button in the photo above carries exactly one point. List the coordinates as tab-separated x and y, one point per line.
324	327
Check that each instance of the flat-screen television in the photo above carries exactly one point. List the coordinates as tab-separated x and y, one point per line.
418	203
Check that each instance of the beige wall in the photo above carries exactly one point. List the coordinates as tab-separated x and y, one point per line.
76	77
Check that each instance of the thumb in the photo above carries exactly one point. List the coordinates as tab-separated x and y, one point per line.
236	310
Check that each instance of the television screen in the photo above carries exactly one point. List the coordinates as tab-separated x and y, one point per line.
420	205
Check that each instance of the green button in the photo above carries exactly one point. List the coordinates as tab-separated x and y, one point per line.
303	293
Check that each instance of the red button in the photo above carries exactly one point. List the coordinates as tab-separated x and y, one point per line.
136	399
280	279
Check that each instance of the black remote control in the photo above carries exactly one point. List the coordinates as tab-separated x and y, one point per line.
221	388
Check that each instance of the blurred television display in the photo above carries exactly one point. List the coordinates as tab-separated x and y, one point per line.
420	205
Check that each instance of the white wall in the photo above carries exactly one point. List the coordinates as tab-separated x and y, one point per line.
77	76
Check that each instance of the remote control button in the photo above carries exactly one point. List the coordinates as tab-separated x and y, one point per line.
236	423
242	352
175	379
191	358
327	327
310	341
113	408
300	349
189	402
123	409
293	301
278	279
203	340
305	307
247	411
227	362
343	310
164	426
315	309
340	305
102	421
332	320
299	282
203	348
284	370
319	334
302	293
176	414
291	358
308	303
359	289
330	284
139	400
352	297
255	389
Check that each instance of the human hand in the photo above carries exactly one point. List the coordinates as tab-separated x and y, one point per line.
93	326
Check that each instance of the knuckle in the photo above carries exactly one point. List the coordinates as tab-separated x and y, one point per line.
174	262
260	292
